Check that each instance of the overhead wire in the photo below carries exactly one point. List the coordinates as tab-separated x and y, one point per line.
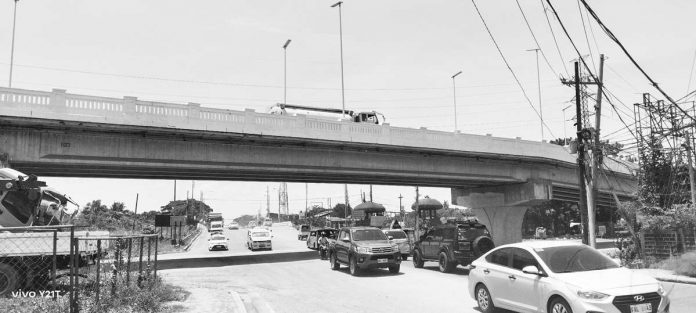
554	38
510	68
630	57
535	39
584	29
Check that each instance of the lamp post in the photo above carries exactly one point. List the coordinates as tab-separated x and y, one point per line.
14	23
340	34
541	115
454	92
285	72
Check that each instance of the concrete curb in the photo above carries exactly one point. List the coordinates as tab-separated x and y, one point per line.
235	260
194	239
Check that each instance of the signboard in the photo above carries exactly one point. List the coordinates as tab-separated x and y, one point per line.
175	221
162	220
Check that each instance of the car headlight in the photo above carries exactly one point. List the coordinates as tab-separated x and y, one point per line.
364	250
661	290
592	295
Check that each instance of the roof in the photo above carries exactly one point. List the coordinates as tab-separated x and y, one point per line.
536	244
360	227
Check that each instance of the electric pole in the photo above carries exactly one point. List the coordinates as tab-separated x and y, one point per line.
692	181
268	202
596	159
401	209
541	115
370	193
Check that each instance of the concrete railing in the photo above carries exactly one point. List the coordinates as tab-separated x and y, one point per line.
59	104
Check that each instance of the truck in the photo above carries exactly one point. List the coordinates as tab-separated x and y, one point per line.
364	248
214	217
370	117
32	218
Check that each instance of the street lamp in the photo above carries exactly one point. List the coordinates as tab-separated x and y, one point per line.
541	115
285	72
454	91
14	23
340	33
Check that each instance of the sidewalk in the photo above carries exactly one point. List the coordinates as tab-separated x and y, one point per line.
666	275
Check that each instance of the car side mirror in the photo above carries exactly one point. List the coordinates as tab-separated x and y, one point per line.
390	237
531	269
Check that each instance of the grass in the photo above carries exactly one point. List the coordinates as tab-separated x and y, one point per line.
154	296
684	264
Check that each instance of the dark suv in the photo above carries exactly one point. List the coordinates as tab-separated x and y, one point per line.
363	248
452	244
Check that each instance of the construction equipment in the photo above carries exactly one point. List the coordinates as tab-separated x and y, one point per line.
370	117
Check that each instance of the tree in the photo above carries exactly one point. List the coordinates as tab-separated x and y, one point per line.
339	210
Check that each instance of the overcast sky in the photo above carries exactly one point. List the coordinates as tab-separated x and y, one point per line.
399	59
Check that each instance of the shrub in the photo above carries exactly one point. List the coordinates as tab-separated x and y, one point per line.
681	265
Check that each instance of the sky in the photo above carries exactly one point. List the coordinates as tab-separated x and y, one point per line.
399	58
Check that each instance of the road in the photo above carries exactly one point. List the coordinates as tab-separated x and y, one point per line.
267	285
284	240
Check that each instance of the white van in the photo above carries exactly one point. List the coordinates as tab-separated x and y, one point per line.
259	238
216	226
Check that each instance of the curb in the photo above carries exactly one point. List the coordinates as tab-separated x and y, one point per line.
192	240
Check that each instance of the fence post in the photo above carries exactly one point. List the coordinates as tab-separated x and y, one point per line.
76	242
156	243
98	268
72	271
149	244
53	269
140	261
130	242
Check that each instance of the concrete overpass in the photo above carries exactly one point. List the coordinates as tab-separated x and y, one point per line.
61	134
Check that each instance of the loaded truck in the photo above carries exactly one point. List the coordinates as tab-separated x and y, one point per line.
33	229
215	217
370	117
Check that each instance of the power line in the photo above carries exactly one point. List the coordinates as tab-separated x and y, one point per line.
554	38
630	57
510	68
587	39
535	39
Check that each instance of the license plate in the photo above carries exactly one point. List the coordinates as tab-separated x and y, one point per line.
641	308
381	260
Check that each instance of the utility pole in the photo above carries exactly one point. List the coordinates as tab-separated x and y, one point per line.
268	202
370	193
401	209
285	72
454	92
692	181
596	159
339	4
14	24
417	217
345	208
136	210
175	190
193	187
541	115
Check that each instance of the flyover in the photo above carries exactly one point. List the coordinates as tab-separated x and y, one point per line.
61	134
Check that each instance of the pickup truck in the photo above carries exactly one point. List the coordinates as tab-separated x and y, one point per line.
364	248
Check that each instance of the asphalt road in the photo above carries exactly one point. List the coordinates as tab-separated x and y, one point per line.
284	240
267	285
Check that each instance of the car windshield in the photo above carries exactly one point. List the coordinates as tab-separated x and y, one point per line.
218	238
396	234
368	234
576	258
260	234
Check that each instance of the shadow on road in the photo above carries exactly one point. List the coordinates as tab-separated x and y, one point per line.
372	273
235	260
457	271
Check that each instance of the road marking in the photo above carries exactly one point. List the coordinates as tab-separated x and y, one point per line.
238	303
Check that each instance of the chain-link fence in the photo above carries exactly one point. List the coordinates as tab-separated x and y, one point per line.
33	260
119	264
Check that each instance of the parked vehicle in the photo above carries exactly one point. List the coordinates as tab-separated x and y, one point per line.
452	244
304	232
544	276
362	248
217	241
399	237
314	235
259	238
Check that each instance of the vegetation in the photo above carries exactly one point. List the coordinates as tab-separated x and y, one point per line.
684	264
194	209
115	218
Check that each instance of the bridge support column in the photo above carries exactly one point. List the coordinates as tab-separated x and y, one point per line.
502	208
4	160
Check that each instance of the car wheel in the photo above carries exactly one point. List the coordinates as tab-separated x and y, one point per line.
404	257
443	261
9	280
559	305
417	259
482	245
484	300
334	263
354	270
394	269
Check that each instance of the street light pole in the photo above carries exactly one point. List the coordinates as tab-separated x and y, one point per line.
340	33
454	92
541	115
14	23
285	72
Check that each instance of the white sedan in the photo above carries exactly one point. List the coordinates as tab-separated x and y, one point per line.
217	241
557	277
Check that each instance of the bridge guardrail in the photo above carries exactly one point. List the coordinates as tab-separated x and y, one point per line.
58	104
